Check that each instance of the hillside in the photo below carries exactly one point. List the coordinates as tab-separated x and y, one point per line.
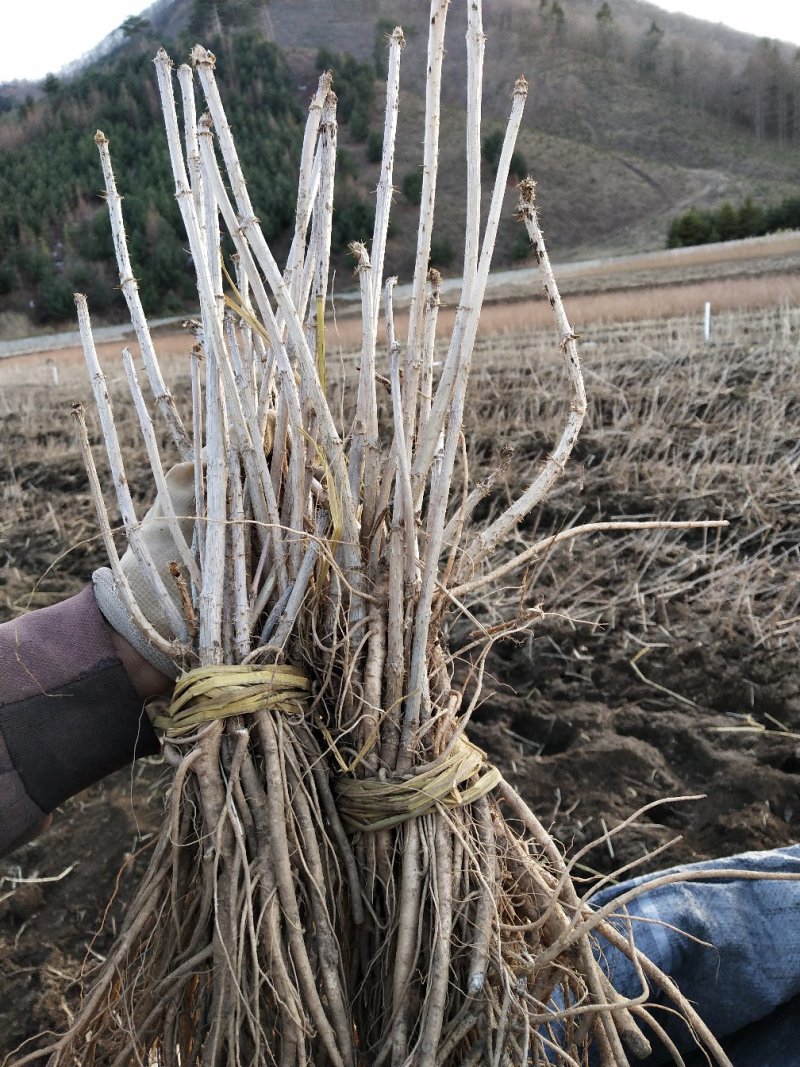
617	150
633	117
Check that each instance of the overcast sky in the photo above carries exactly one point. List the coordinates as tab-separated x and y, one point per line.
40	36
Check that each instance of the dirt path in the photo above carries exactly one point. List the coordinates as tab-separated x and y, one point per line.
676	282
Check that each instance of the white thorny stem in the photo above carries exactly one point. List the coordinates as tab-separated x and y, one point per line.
329	436
440	489
130	291
133	530
383	203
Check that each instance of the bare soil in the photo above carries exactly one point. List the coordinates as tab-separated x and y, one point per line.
585	738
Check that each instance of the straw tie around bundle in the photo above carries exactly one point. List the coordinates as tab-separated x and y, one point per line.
208	693
368	804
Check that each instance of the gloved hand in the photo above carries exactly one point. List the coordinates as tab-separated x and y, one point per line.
161	545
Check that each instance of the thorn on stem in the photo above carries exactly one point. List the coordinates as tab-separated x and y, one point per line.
527	192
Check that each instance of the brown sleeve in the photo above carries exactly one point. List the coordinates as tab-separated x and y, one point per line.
69	714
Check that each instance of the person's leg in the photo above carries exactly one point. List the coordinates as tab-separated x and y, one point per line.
733	947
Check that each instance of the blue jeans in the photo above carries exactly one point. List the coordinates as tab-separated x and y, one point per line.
746	986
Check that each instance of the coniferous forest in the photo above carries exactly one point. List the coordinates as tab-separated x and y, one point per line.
54	240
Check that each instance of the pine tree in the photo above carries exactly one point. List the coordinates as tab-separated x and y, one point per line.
648	56
606	28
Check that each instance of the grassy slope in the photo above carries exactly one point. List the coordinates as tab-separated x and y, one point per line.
615	157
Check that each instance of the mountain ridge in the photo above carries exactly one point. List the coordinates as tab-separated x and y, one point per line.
617	150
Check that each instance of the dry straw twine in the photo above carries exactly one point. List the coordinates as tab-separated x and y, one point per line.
206	694
368	804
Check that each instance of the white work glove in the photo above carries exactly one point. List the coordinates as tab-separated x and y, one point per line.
161	545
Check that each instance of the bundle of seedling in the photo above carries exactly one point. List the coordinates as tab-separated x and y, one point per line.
341	878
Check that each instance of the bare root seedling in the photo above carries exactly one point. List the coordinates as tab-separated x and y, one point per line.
341	878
